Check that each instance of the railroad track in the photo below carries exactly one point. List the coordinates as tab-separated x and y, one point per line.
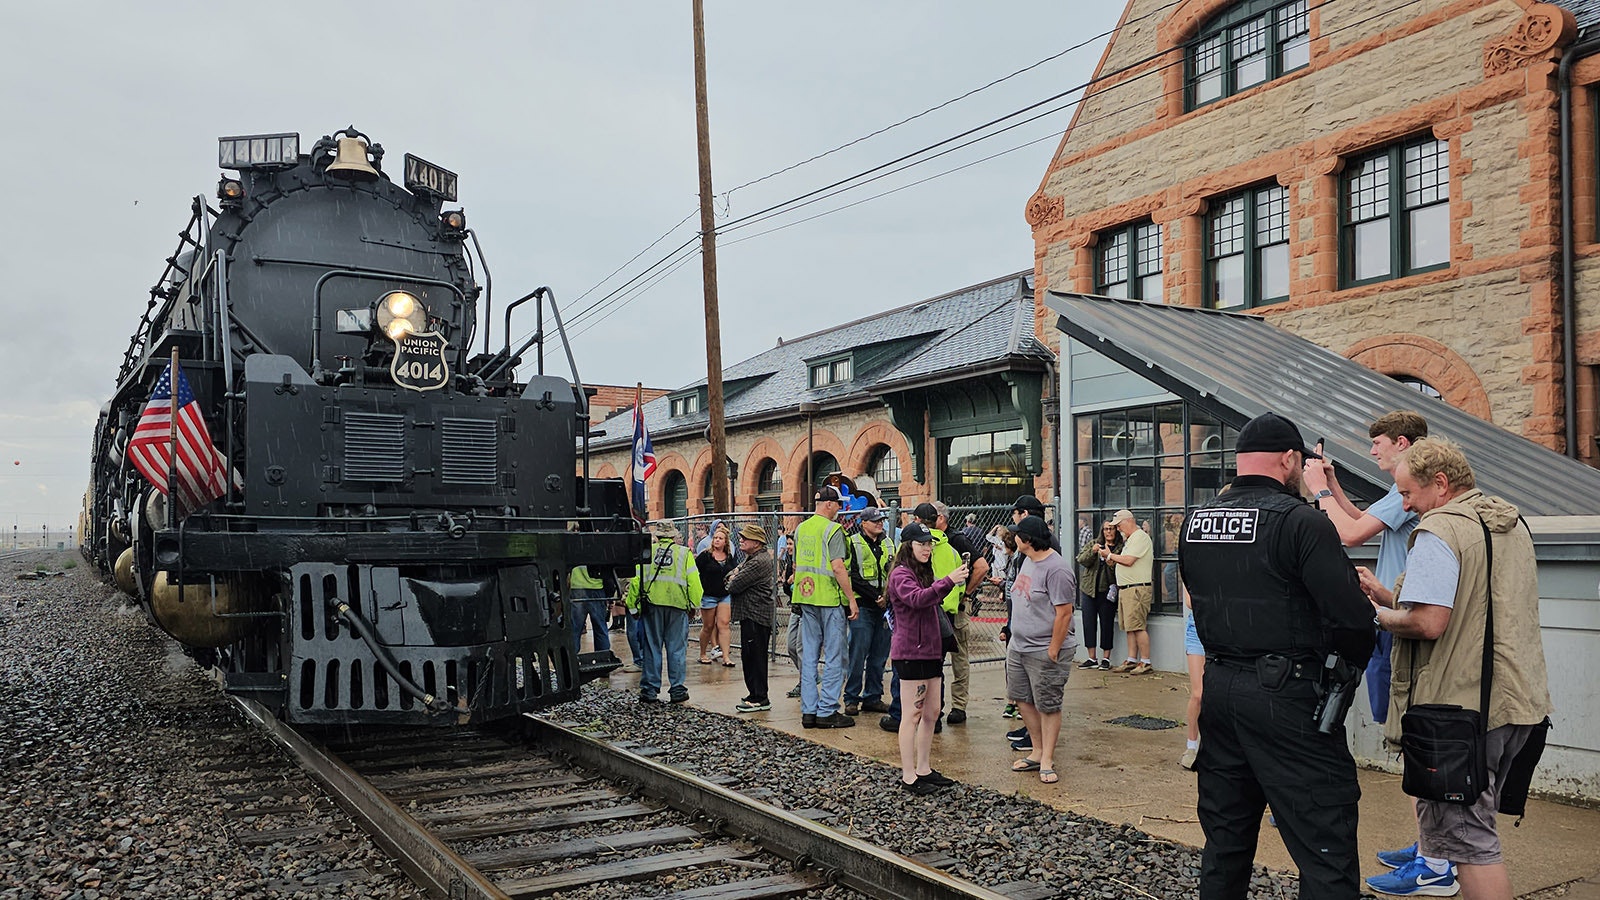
542	809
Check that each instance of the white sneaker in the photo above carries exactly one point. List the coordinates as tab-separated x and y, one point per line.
715	653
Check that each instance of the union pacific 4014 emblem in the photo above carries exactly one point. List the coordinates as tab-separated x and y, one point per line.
419	362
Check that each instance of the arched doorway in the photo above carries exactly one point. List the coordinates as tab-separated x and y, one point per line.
675	495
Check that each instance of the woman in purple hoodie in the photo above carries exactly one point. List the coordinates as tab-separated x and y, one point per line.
918	652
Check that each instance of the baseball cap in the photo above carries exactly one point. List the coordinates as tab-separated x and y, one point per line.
872	514
1121	514
917	532
827	493
926	511
1035	530
1271	433
1030	504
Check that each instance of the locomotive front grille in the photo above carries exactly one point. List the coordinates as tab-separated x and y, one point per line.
374	446
470	450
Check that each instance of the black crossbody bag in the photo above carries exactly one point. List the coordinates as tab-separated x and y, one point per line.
1442	746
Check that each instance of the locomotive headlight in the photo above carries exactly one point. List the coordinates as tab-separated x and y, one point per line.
400	314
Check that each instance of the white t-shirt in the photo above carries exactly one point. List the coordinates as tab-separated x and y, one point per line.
1432	572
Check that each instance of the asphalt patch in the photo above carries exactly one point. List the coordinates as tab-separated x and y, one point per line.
1144	723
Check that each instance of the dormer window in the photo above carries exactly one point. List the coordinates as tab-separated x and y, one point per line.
1247	44
688	404
831	371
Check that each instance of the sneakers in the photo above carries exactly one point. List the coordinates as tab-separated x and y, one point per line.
808	720
1143	668
957	716
933	777
631	669
889	723
649	698
837	720
1017	734
716	653
1010	712
1126	667
1023	744
1395	859
1089	664
1187	759
1415	879
793	692
749	706
922	787
874	706
852	709
1105	665
678	698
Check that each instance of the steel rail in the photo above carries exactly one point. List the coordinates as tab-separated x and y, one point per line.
845	860
435	867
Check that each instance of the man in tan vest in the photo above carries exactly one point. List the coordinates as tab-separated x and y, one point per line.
1437	615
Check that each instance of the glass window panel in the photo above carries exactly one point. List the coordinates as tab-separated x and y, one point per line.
886	469
1171	491
1251	71
1086	486
1085	428
1272	215
1141	482
1275	272
1294	53
840	370
1116	486
1114	259
1150	288
1372	250
1149	249
1430	236
1227	288
1228	227
1169	423
1427	173
1119	289
1367	196
1115	441
1208	88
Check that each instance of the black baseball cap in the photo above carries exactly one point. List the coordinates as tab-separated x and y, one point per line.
872	514
917	532
926	511
1029	504
1272	433
827	493
1035	530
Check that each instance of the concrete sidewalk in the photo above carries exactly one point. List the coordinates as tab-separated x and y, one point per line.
1122	774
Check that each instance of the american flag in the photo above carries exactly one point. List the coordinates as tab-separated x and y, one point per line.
200	468
644	454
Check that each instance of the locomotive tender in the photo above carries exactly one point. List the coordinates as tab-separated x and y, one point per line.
394	538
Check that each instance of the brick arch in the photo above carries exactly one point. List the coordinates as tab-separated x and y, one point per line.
750	469
1429	360
879	434
702	464
666	463
606	470
822	439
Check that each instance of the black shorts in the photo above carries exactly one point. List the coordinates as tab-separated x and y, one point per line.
918	669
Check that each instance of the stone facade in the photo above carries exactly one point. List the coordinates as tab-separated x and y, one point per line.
1480	75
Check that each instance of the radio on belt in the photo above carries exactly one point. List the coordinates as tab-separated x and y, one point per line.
1224	525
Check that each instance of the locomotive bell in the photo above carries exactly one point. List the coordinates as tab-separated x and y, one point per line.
351	162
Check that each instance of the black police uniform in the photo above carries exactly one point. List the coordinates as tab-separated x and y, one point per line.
1273	593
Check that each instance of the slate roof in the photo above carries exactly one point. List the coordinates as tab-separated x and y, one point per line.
941	339
1587	12
1239	366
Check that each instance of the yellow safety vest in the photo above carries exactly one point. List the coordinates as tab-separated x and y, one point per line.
867	565
670	578
584	585
814	584
946	560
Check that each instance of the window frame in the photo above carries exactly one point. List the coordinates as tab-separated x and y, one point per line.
824	372
1396	212
683	405
1134	253
1252	251
1223	26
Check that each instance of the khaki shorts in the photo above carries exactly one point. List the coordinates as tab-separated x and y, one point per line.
1033	679
1133	606
1466	834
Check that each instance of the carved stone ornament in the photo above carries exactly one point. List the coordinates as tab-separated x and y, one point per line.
1043	210
1541	28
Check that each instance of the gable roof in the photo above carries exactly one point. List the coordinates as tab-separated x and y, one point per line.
1239	366
940	339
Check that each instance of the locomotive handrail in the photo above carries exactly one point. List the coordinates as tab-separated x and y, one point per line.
225	344
369	275
488	290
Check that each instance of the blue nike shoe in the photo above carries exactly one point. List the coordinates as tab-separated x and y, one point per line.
1415	879
1394	859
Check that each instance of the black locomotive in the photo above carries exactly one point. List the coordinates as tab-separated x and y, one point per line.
399	515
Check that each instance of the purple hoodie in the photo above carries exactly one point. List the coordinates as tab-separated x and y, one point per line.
916	623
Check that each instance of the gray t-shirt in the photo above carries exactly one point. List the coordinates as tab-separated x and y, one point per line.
1432	572
1040	588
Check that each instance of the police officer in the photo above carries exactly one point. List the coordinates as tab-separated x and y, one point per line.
666	588
871	557
1273	595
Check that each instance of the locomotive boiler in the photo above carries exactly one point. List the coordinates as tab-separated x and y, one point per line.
394	515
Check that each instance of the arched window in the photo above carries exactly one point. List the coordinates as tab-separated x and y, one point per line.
822	465
769	486
675	495
1245	45
885	470
707	494
1420	386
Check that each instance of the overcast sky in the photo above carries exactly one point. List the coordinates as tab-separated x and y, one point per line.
571	126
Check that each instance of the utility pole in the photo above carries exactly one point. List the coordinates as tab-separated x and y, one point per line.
721	496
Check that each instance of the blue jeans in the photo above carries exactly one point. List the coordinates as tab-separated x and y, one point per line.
822	638
597	613
869	648
633	626
1378	674
666	635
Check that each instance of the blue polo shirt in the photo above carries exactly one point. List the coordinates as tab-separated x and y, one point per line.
1397	526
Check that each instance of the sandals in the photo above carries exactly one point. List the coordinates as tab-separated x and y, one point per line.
1026	765
727	665
704	661
1048	776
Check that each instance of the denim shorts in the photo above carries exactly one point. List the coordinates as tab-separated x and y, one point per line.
710	602
1191	638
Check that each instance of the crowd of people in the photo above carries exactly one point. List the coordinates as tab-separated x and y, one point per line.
1273	609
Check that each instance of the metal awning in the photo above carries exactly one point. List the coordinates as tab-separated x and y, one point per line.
1238	366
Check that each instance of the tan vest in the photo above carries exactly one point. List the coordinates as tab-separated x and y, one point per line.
1450	669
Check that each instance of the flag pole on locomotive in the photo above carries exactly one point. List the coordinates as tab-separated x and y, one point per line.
642	464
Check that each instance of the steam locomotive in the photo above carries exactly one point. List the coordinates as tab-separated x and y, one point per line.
397	515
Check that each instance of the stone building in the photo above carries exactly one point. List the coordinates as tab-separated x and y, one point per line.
1381	178
941	398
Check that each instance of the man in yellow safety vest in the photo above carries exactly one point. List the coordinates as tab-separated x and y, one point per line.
666	588
871	557
824	600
